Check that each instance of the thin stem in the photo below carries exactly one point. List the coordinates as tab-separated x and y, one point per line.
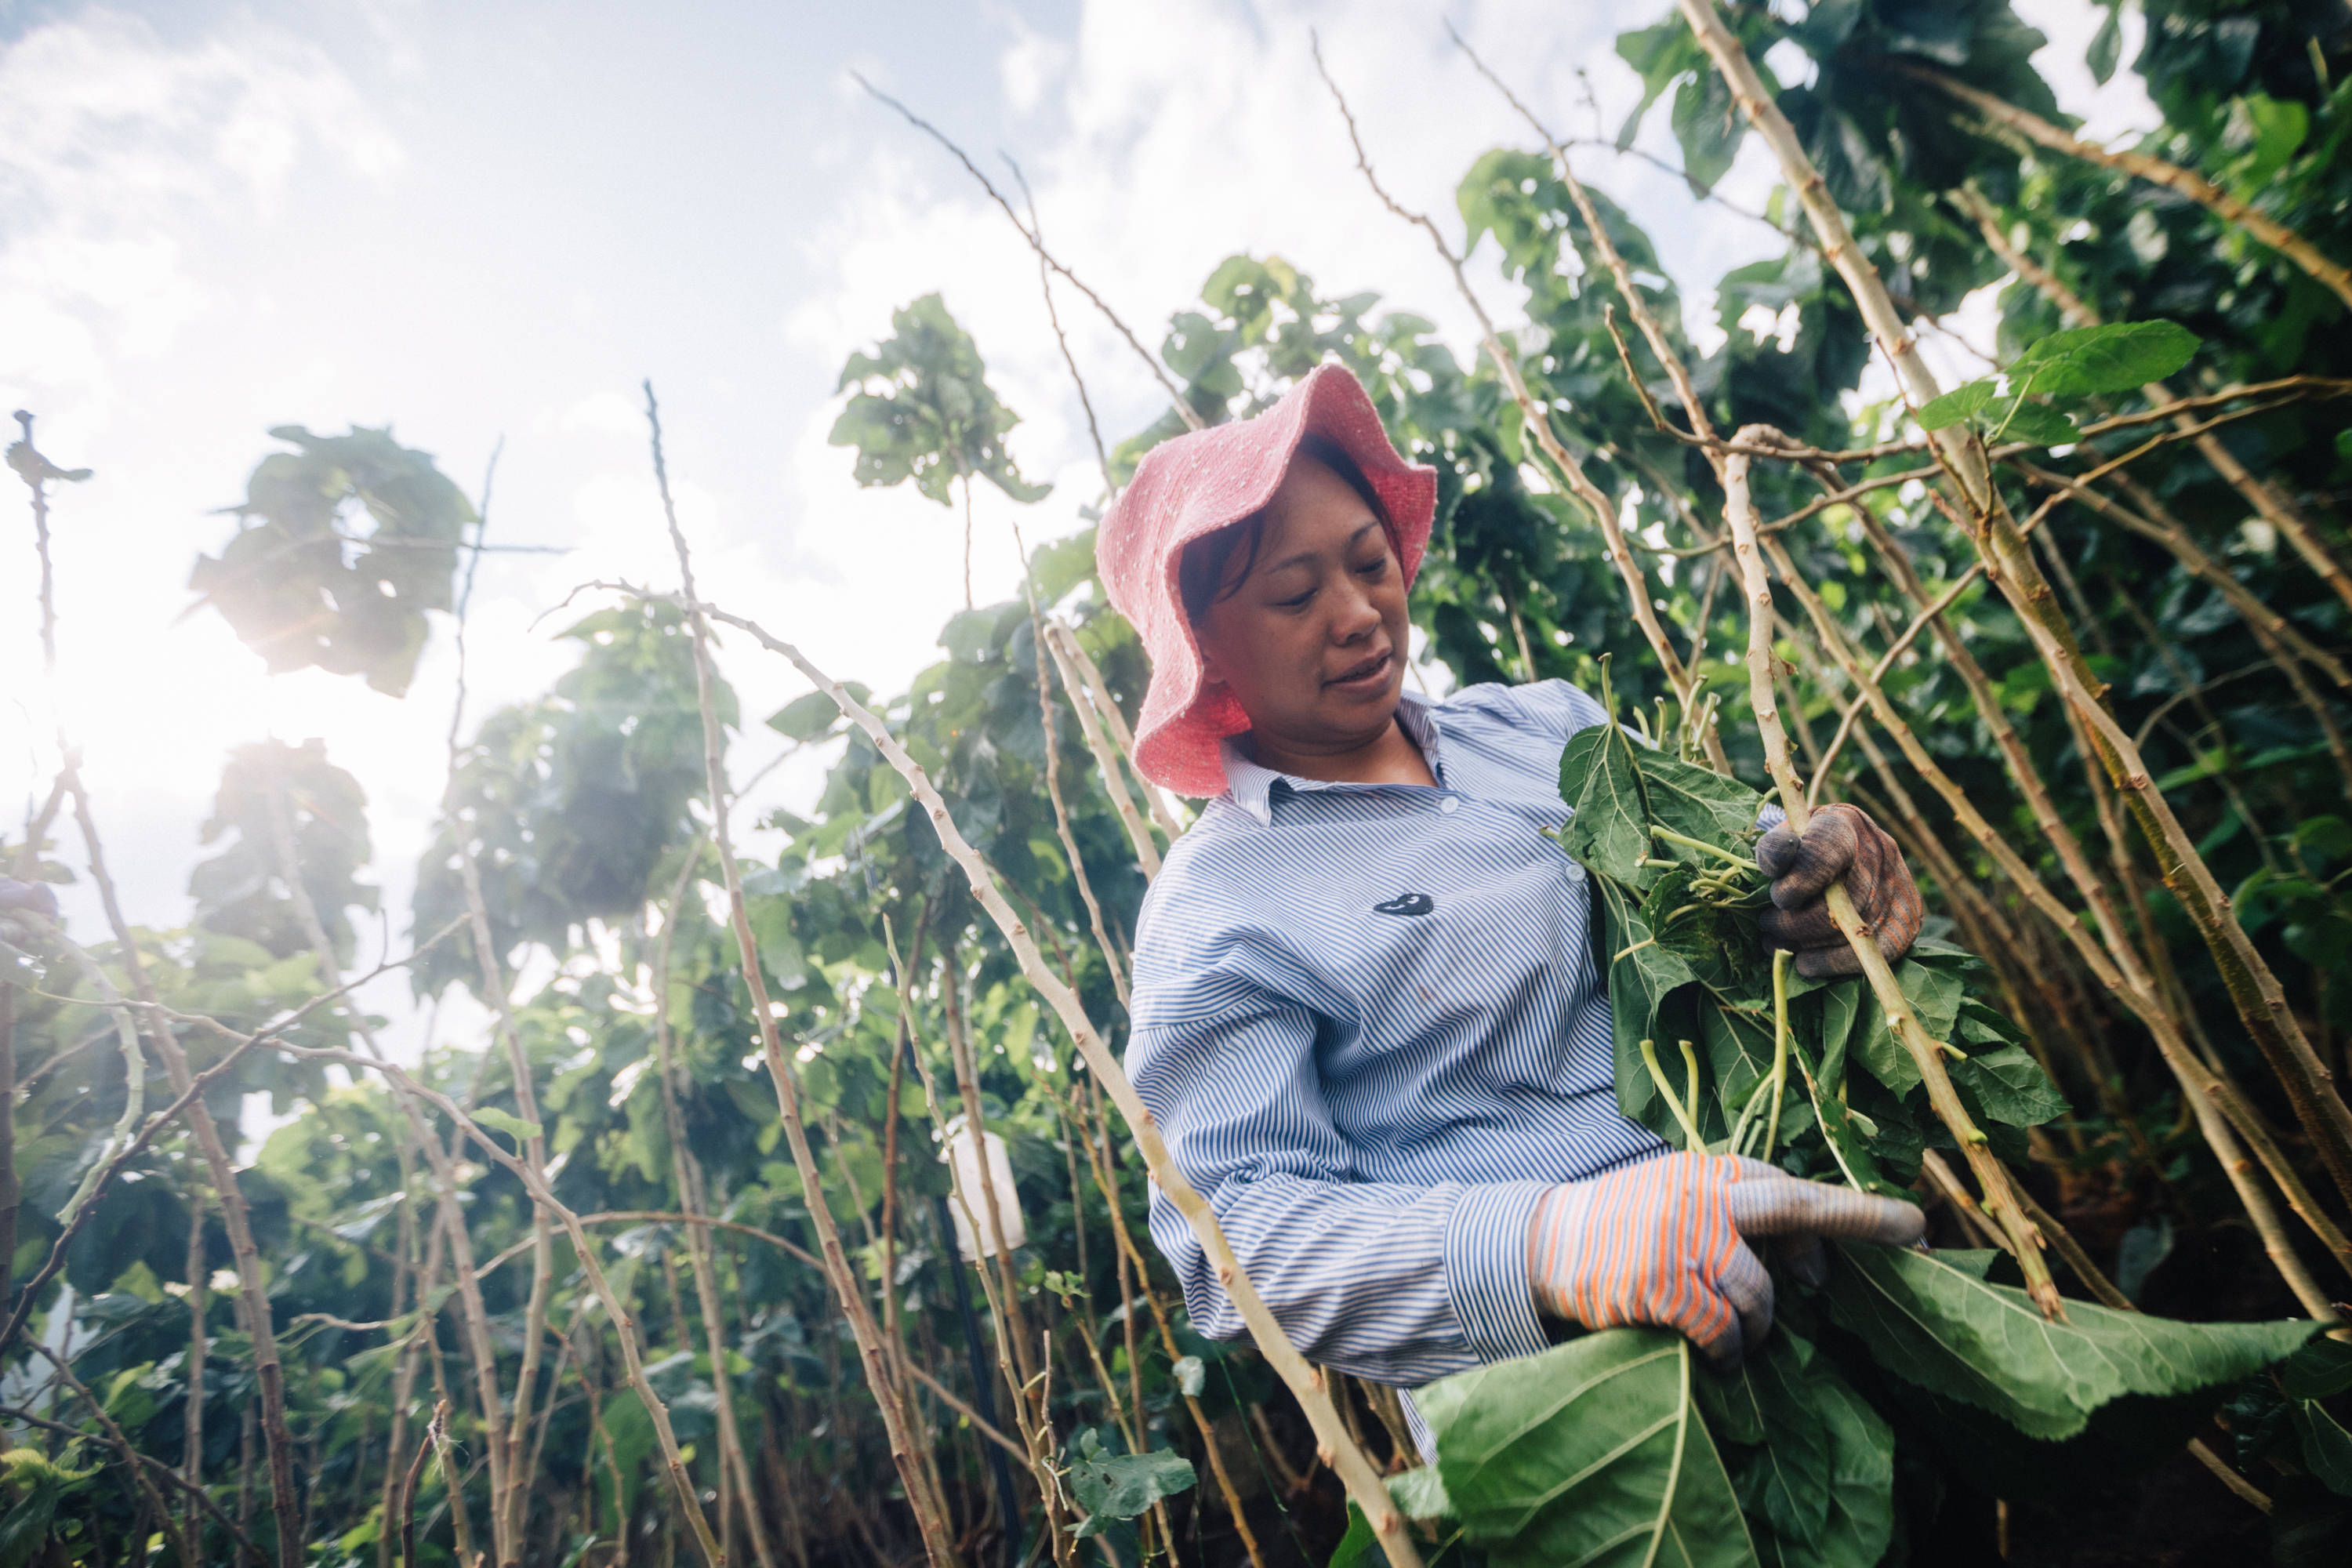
838	1272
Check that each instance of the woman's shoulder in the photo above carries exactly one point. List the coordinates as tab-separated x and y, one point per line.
1554	709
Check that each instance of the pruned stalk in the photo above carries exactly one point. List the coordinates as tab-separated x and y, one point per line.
624	1326
1661	346
990	1267
1106	1182
2332	275
191	1431
2119	965
1053	742
507	1485
697	1241
1362	1480
875	1358
1114	776
427	1279
501	1434
1926	1054
132	1457
268	1371
1538	419
2010	562
1029	1416
2274	508
2286	647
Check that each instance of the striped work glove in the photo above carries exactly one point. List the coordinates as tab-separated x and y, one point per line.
1840	841
1665	1242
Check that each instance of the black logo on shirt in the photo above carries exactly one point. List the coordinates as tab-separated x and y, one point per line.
1406	904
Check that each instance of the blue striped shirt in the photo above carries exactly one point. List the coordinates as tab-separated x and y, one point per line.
1369	1022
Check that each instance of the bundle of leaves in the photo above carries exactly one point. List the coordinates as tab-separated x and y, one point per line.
1623	1446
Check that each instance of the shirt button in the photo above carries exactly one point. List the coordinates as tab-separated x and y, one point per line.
1448	805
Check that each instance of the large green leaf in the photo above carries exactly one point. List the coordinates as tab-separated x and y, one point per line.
2008	1085
2326	1446
1962	402
1592	1453
2319	1369
302	584
1641	975
1420	1496
1609	830
2020	418
1695	802
1811	1463
1112	1487
1709	126
2094	362
922	410
1986	1345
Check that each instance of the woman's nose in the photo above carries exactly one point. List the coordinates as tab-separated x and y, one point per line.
1355	616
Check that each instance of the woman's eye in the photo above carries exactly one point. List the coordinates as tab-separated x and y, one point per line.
1294	604
1374	569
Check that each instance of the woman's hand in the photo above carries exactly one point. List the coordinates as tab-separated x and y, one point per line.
1664	1242
1840	841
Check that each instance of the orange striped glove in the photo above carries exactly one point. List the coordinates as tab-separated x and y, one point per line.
1665	1242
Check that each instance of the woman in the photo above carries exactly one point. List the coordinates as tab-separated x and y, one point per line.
1366	1011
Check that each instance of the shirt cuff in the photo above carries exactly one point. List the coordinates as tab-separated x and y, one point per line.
1486	1270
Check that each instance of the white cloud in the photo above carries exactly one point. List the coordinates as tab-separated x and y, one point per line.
111	138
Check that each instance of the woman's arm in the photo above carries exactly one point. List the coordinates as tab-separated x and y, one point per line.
1400	1284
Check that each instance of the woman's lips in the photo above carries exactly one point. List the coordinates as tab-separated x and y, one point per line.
1370	675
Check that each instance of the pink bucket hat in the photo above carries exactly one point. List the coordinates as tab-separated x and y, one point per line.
1209	479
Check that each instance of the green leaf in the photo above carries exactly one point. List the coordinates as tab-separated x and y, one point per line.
342	547
2021	420
1857	177
1609	830
1988	1345
2106	44
1592	1453
1420	1493
2319	1369
806	718
2326	1446
1658	55
1960	403
1112	1487
2008	1085
2265	131
1708	124
2094	362
1642	973
1813	1464
1765	1405
514	1126
923	410
1697	802
38	1482
1934	994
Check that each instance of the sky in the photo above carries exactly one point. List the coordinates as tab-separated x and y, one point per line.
483	225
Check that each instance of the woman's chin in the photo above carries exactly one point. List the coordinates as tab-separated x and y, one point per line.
1366	711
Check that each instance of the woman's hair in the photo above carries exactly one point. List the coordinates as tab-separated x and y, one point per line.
1201	573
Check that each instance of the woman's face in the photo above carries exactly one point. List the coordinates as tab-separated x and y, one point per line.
1312	641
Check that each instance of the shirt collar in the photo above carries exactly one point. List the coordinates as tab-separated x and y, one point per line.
1252	785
